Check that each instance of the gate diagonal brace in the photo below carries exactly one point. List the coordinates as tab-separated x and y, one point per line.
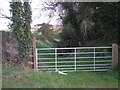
60	72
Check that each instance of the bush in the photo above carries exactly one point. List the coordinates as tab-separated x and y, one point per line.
40	37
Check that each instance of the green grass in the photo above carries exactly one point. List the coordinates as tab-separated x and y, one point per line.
45	44
40	37
15	77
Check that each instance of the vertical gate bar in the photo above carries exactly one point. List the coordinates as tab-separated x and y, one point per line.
75	58
55	59
94	58
36	59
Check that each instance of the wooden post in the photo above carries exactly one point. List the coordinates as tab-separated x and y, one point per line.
114	55
34	53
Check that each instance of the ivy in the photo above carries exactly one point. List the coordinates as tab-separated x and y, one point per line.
21	19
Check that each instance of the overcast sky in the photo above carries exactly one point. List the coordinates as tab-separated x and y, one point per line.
38	16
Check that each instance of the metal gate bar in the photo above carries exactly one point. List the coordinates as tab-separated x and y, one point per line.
93	62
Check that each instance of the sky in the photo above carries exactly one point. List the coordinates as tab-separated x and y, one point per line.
38	15
4	4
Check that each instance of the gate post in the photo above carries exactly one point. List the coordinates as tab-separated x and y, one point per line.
114	55
34	53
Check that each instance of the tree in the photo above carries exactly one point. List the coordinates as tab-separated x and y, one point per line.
106	21
68	37
47	31
92	21
78	15
21	19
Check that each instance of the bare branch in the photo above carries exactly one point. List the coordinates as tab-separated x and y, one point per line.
3	15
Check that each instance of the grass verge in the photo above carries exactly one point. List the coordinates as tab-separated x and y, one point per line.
15	77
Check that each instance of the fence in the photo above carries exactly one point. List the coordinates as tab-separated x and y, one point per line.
74	59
